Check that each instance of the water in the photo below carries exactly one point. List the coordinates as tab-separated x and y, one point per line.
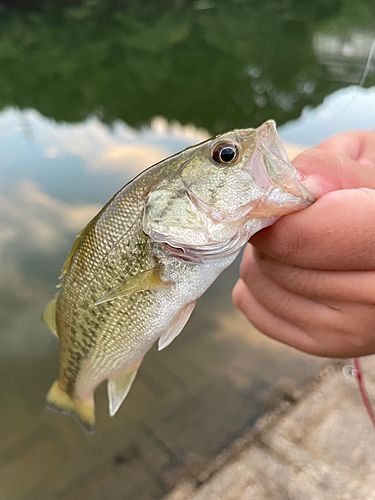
89	96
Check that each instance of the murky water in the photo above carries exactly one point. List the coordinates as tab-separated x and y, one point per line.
90	96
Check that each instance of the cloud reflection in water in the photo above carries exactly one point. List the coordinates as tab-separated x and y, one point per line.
54	178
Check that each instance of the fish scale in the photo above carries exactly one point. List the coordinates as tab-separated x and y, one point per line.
118	224
138	267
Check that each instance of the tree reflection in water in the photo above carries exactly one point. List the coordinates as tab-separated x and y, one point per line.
218	65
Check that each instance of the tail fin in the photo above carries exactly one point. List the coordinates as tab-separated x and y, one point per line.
61	402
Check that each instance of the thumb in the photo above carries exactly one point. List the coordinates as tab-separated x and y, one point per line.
324	171
358	145
336	233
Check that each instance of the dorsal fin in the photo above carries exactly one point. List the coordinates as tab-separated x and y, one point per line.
49	316
68	263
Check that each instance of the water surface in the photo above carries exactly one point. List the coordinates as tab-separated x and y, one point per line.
91	95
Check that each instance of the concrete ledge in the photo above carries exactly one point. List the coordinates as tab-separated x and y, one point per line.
321	447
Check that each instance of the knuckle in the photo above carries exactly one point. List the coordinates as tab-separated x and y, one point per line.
247	266
332	142
292	248
347	144
288	242
238	294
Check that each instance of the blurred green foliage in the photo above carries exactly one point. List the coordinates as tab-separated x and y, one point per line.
218	65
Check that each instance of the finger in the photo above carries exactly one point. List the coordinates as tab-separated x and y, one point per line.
325	172
306	314
358	145
268	323
328	287
302	323
336	233
333	344
347	144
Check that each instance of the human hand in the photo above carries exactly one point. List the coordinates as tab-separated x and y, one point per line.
358	145
310	280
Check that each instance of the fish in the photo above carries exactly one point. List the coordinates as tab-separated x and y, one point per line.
136	270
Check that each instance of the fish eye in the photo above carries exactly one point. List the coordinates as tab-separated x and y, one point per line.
225	153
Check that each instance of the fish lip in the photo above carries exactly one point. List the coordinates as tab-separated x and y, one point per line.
200	254
267	207
179	252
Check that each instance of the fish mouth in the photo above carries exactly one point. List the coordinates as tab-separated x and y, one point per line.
278	201
200	254
268	210
282	200
280	182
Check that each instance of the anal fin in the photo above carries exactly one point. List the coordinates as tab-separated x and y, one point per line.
147	280
176	325
118	387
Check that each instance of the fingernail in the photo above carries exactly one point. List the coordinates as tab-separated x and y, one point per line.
367	162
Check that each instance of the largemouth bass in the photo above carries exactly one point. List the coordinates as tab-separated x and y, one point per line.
136	270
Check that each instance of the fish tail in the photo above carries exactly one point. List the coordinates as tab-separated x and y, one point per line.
59	401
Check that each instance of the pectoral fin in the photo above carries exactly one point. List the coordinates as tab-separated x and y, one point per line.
148	280
49	316
119	386
177	324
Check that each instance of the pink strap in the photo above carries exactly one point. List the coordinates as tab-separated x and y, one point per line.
363	391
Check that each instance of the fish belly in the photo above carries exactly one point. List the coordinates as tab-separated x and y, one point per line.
139	320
